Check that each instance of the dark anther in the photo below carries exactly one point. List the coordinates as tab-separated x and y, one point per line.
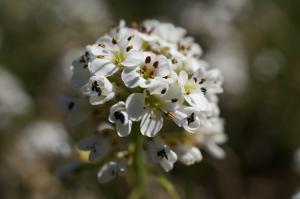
163	91
71	105
195	79
114	41
96	88
174	61
174	100
148	60
101	45
203	90
129	48
119	116
129	38
191	118
82	60
202	81
162	154
155	64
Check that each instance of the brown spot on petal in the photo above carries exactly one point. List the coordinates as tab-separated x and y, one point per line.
114	41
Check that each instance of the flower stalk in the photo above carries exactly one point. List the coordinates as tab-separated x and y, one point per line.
138	162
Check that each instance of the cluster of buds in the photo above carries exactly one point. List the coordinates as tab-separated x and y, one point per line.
149	81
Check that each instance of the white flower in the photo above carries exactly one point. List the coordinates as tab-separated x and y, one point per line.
44	139
153	71
99	89
150	109
119	116
97	145
164	31
14	100
116	52
188	155
160	153
80	68
74	108
210	81
189	118
193	93
111	170
210	135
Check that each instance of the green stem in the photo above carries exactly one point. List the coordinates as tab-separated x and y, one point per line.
138	162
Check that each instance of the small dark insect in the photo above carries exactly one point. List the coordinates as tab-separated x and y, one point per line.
162	154
119	116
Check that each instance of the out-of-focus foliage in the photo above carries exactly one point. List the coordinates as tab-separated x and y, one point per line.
256	45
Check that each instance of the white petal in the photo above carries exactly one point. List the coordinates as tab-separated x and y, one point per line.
123	130
81	74
97	100
183	77
215	150
152	123
120	106
198	100
134	58
108	172
135	106
130	78
166	165
196	153
172	156
107	69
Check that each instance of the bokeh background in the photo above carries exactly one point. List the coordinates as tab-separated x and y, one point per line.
255	43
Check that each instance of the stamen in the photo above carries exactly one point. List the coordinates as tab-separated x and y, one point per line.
203	90
114	41
174	61
174	100
191	118
169	114
163	91
129	48
155	64
202	81
101	45
119	116
162	154
96	88
100	56
130	37
148	60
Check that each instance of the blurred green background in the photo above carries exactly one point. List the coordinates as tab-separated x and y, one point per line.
255	43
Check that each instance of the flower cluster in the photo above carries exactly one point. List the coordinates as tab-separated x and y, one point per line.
152	77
